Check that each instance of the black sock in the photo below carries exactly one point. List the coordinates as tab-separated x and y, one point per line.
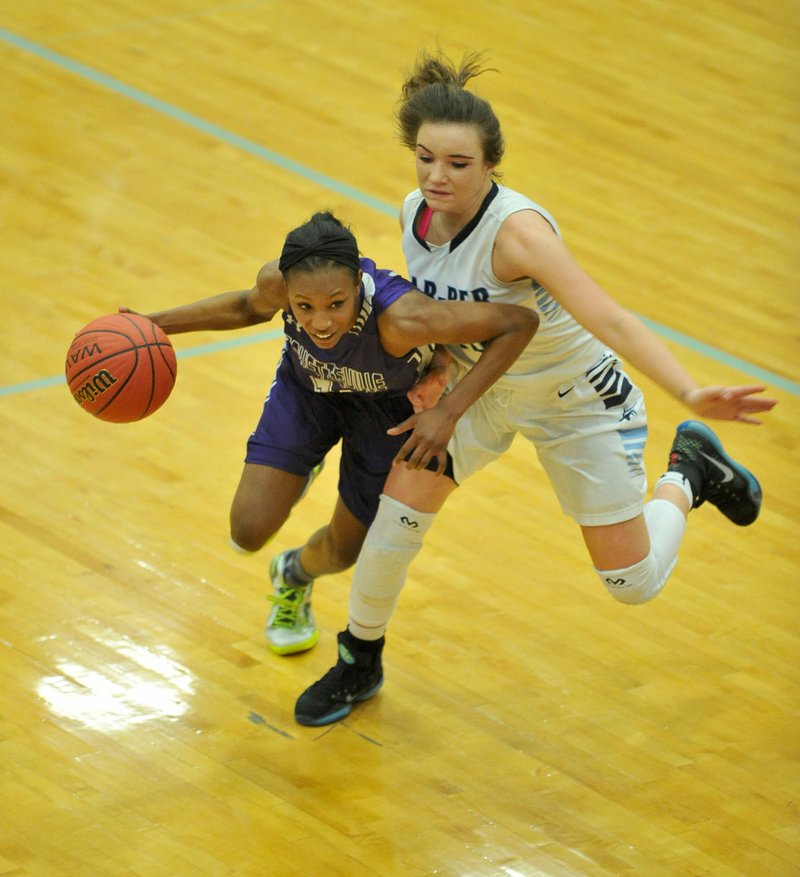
693	474
368	646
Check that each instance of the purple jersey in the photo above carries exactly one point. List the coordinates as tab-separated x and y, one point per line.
351	393
358	363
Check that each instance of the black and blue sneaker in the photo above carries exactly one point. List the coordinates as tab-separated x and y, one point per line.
698	455
357	676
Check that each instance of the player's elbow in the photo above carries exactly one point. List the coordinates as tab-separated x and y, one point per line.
526	322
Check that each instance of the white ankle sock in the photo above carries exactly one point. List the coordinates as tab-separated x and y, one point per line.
679	481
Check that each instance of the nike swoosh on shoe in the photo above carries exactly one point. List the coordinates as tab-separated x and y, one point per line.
726	470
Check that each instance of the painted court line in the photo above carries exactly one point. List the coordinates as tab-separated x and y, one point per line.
188	353
179	115
261	152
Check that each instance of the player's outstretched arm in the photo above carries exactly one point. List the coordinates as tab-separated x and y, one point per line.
229	310
527	247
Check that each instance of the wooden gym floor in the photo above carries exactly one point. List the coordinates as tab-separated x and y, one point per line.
156	152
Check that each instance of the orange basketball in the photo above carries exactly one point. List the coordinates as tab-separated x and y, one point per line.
121	367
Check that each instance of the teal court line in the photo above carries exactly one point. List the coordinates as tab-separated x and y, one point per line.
281	161
199	350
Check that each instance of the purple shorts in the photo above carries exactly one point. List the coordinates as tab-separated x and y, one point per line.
298	427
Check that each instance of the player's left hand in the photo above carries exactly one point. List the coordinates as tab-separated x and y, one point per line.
432	430
729	403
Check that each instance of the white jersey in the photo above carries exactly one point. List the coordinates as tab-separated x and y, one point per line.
566	393
462	270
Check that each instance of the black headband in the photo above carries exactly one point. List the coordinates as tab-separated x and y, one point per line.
340	249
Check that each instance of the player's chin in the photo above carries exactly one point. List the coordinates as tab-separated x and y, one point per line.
437	201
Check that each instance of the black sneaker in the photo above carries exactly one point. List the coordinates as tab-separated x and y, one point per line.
357	676
697	454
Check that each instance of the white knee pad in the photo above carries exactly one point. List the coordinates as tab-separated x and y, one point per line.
393	541
641	582
633	584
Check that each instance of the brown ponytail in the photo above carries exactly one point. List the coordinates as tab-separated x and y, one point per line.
435	92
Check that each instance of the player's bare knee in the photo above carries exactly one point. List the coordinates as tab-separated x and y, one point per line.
246	540
249	535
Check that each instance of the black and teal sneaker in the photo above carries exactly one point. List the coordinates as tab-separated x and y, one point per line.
698	455
357	676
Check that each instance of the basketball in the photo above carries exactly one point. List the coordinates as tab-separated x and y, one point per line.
121	368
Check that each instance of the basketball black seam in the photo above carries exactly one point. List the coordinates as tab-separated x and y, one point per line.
135	347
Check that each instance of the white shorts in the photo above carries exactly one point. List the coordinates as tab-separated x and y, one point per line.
589	434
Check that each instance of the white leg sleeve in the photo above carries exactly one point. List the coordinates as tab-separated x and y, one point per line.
643	581
393	541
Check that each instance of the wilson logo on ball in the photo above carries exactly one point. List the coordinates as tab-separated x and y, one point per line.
95	387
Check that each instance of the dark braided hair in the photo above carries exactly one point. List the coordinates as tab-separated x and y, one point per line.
317	244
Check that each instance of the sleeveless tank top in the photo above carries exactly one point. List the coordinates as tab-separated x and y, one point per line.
462	270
